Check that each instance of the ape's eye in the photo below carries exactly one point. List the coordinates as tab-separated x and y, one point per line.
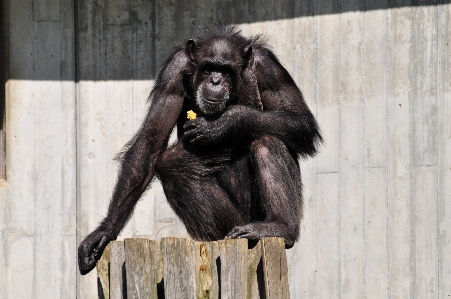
207	70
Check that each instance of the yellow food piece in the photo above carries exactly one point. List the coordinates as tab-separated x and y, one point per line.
192	115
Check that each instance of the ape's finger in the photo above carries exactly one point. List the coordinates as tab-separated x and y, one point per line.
235	233
189	125
86	264
191	133
200	140
98	251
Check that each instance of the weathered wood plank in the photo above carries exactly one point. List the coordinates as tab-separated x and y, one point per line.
206	283
118	280
255	279
275	268
232	268
400	148
103	273
179	268
143	268
444	143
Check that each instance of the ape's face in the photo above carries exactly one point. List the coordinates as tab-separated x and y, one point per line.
214	88
216	79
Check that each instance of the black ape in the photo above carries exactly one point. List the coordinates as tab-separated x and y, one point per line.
233	172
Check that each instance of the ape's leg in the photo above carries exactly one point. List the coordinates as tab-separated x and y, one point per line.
279	190
192	189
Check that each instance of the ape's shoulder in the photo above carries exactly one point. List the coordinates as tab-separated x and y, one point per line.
269	71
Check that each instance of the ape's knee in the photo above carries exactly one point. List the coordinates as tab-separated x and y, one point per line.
168	161
266	146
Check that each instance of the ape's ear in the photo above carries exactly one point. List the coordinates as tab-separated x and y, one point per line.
248	55
191	49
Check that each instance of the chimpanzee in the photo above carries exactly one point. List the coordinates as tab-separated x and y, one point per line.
234	172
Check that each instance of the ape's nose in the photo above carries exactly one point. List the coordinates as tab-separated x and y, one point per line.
215	79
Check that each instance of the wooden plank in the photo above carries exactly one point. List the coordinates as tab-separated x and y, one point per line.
215	270
444	143
376	281
328	74
400	149
425	232
103	273
351	151
143	268
275	268
328	236
255	281
424	74
205	285
118	279
179	268
232	268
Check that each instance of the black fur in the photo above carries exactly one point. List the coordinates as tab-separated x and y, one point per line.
234	172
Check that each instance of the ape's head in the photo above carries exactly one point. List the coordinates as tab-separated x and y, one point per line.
218	73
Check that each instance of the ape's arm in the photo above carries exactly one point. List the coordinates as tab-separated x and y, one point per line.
138	161
285	114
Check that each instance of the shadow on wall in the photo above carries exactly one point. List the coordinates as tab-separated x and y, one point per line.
129	40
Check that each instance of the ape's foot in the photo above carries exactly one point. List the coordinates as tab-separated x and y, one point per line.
256	231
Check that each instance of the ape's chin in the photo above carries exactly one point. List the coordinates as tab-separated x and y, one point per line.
210	107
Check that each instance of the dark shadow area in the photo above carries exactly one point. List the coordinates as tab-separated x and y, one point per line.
218	268
160	289
2	92
261	280
131	41
124	281
251	244
100	293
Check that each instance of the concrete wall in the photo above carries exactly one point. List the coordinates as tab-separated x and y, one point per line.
377	218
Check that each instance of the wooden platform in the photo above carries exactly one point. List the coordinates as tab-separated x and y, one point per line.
181	268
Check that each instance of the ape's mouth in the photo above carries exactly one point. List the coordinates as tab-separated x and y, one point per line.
213	101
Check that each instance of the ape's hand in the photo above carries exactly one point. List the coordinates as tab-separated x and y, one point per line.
204	132
225	128
91	249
